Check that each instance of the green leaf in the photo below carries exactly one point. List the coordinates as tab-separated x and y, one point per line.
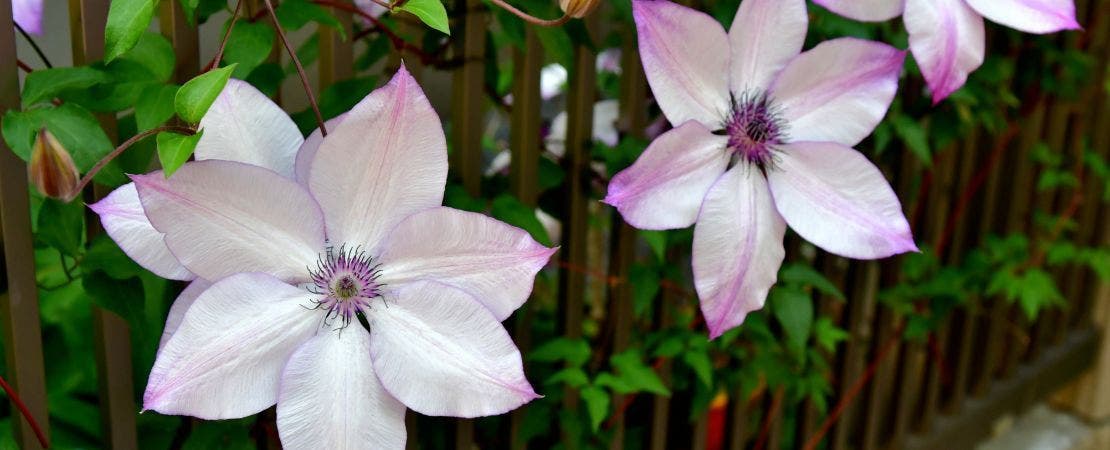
657	240
104	255
514	212
155	106
174	149
913	135
597	404
431	12
62	226
76	128
45	84
806	276
827	334
637	375
699	361
127	20
196	96
248	46
295	14
154	54
574	352
574	377
794	311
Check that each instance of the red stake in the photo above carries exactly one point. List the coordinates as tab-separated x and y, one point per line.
26	413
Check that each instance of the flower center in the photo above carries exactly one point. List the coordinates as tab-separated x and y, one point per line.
346	280
754	128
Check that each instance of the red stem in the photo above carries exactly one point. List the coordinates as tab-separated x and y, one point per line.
26	413
769	419
223	43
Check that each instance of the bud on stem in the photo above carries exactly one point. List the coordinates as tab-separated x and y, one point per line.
578	8
52	170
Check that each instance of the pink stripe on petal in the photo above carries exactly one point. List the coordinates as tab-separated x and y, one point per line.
764	36
737	248
948	41
123	218
686	59
833	197
864	10
1030	16
308	149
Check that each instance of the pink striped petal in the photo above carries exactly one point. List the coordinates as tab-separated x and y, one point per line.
839	90
122	216
441	353
833	197
494	262
184	300
737	248
864	10
664	188
244	125
28	15
1030	16
386	160
222	218
308	149
225	360
764	36
948	41
686	59
331	399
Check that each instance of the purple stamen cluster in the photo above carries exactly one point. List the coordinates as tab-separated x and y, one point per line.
754	128
347	281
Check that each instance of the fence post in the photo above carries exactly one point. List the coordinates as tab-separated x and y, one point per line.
111	332
19	307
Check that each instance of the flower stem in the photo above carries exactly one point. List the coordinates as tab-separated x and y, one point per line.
35	46
529	18
119	150
300	68
227	35
26	413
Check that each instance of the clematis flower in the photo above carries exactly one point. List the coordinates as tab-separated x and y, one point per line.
947	37
339	288
763	139
28	15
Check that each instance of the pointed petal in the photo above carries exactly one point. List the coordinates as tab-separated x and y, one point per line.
948	41
494	262
839	90
664	188
225	360
764	36
441	353
222	218
330	397
833	197
244	125
737	248
122	216
686	59
311	144
28	15
184	300
1030	16
864	10
386	160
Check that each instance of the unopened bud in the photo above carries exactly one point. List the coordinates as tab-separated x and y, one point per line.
52	170
578	8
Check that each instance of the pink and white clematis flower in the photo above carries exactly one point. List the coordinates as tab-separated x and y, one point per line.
947	37
763	139
342	291
28	15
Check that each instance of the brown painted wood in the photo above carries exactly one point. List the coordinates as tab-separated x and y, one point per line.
183	37
19	306
336	61
468	105
862	291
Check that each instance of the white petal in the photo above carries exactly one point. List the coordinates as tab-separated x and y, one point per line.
839	90
225	360
864	10
311	144
331	399
606	113
1030	16
386	160
948	41
765	35
494	262
664	188
441	353
222	218
244	125
833	197
184	300
686	59
737	248
122	216
28	14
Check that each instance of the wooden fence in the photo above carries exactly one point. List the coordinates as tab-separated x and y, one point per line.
941	392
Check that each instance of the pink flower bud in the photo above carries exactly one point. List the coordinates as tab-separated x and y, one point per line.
578	8
52	170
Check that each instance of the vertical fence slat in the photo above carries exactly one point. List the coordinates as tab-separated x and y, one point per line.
111	332
336	54
19	307
183	37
